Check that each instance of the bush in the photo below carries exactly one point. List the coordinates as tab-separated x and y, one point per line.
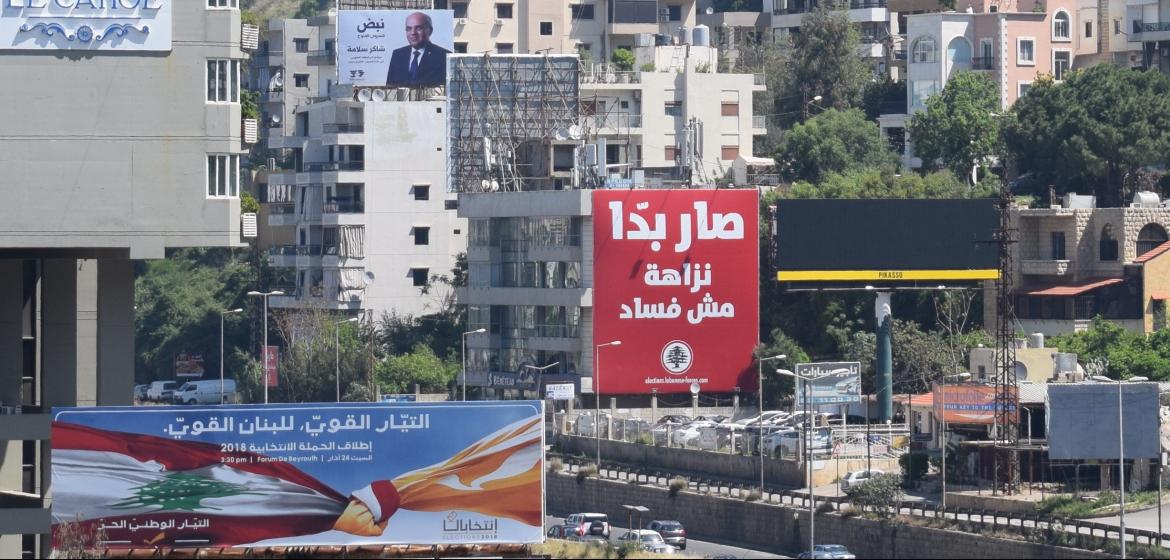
880	494
915	463
648	67
586	471
678	484
753	495
555	465
623	59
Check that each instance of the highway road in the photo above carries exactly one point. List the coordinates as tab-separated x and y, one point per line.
695	548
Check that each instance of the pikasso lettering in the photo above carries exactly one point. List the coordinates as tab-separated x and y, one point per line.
890	274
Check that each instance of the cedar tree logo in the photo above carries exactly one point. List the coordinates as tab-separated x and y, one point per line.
677	357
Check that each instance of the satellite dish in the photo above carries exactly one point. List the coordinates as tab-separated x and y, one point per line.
561	134
694	388
364	95
369	276
575	132
495	186
710	10
276	118
277	81
484	185
379	95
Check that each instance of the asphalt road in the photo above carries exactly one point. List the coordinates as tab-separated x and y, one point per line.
695	548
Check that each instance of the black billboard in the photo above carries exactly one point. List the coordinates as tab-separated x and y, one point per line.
886	240
1082	421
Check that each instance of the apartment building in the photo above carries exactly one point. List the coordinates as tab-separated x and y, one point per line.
1074	262
872	18
1149	24
117	145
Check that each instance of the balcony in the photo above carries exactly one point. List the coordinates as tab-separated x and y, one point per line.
336	166
344	128
616	122
274	95
1150	31
325	57
983	63
282	214
759	124
1046	267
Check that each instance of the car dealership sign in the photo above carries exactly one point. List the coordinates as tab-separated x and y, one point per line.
121	25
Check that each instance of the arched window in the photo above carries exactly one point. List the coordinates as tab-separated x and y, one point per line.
1107	249
1149	238
959	50
924	50
1060	25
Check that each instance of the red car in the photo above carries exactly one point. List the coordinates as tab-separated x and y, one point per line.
672	532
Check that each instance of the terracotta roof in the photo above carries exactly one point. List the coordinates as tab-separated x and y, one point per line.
1160	295
1149	255
1074	288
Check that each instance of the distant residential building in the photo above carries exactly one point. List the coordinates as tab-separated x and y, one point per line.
1149	24
871	17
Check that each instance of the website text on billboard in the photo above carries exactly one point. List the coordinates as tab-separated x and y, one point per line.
676	280
293	475
966	403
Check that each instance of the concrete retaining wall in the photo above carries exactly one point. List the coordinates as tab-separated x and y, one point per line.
782	529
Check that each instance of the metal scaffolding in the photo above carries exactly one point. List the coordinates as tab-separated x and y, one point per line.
1007	388
506	113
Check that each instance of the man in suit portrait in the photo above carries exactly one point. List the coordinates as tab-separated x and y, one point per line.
421	63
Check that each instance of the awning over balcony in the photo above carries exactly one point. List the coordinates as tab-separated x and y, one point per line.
1160	296
1074	288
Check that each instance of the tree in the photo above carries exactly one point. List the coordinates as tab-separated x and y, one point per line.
1124	354
622	59
776	386
826	59
833	142
398	374
313	347
959	127
1093	132
884	183
881	494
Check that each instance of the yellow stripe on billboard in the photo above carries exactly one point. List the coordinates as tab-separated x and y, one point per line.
885	275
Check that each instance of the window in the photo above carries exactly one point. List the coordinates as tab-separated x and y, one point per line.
1149	238
301	45
673	108
503	11
920	90
223	81
1060	26
674	13
461	47
460	9
1061	62
1088	30
1025	51
419	276
421	192
301	80
581	11
223	4
728	153
1023	88
1107	247
924	50
670	153
546	28
986	51
422	235
1057	245
729	109
503	48
223	175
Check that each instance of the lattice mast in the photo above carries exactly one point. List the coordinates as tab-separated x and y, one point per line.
1007	433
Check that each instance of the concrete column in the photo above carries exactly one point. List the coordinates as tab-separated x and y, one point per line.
11	335
59	330
10	546
115	321
884	384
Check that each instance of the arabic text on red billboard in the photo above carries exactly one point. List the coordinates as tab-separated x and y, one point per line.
676	280
271	375
967	403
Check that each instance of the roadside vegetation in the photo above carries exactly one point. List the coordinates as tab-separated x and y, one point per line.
1106	503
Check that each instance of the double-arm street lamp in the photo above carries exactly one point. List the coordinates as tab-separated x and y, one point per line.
221	356
337	353
808	426
266	295
760	418
540	375
943	439
1121	451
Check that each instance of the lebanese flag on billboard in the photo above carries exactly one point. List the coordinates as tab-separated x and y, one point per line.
676	280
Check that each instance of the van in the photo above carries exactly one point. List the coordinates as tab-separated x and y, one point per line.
206	392
161	390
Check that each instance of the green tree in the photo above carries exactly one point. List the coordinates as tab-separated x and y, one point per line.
312	348
959	127
398	374
881	495
777	387
1126	354
622	59
1093	132
833	142
882	183
826	59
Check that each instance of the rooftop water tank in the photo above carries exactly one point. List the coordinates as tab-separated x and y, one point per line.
684	35
701	36
1146	199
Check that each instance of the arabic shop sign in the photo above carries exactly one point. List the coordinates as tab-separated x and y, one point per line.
676	281
115	25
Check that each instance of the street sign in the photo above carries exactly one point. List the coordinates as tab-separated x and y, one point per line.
559	391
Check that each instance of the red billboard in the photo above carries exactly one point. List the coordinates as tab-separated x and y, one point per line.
271	375
967	403
676	280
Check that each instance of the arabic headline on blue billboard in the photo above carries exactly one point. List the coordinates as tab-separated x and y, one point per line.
293	475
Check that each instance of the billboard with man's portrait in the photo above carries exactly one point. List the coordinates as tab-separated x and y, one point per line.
394	48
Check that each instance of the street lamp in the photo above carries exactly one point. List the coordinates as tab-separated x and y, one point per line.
337	352
812	500
597	396
463	359
760	418
221	357
540	374
266	295
1121	452
943	435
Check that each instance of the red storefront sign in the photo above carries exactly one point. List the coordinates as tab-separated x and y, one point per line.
676	280
271	378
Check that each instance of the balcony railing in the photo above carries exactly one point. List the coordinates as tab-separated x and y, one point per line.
759	79
283	208
983	63
617	121
601	76
759	122
295	250
335	128
345	207
336	166
1140	26
322	57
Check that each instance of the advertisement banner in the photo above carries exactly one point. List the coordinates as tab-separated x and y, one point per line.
396	48
301	474
833	383
676	280
139	25
271	377
559	391
188	365
1083	421
966	403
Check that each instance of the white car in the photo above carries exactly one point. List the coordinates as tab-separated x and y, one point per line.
787	443
857	478
647	540
766	418
688	435
161	390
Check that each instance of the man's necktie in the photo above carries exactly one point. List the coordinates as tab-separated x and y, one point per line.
414	66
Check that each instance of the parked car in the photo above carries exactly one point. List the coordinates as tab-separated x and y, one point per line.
584	424
857	478
663	430
558	532
787	443
630	429
674	418
589	524
647	540
206	391
766	417
829	551
716	418
140	391
672	532
590	540
161	390
850	419
687	436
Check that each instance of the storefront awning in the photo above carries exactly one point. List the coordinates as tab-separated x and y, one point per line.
1075	288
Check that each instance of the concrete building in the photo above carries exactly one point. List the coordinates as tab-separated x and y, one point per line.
115	148
1149	21
1074	262
872	18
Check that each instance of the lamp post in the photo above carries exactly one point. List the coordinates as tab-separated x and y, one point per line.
812	500
760	418
463	359
221	314
540	374
1121	452
266	295
597	396
943	435
337	353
